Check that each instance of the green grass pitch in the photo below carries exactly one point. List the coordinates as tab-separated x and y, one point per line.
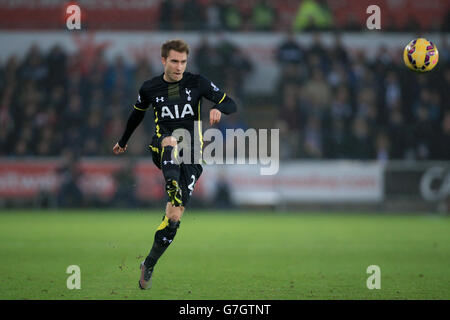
225	255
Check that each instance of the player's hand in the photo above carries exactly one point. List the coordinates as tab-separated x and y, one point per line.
214	116
118	149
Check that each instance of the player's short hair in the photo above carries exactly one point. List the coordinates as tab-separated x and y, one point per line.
176	44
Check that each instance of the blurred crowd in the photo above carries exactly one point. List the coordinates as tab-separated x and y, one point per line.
330	102
337	105
281	15
51	101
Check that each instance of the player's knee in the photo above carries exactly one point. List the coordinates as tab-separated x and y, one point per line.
174	213
169	141
175	216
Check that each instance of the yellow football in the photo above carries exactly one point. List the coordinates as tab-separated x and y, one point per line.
421	55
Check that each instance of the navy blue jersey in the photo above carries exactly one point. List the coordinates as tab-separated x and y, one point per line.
177	104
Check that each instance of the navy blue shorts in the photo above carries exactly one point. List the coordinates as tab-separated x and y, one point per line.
189	173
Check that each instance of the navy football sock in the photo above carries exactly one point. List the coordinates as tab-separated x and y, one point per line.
163	238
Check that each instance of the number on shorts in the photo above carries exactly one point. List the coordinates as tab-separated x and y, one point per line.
191	186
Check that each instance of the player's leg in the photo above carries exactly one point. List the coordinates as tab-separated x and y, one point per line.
189	175
164	235
171	169
167	230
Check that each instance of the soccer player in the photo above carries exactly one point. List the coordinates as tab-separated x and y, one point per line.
176	98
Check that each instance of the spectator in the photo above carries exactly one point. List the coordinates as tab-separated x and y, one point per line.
43	148
6	141
222	195
290	53
423	135
56	61
430	101
22	148
47	142
227	51
210	61
289	149
69	194
360	140
118	78
291	119
166	15
193	15
443	150
399	135
443	84
366	106
56	98
318	92
339	53
318	54
392	90
446	25
92	133
338	75
263	16
312	144
313	15
231	16
340	107
231	122
213	19
34	68
382	147
336	140
143	71
239	68
125	196
74	114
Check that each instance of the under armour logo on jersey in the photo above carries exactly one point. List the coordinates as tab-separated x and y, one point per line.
188	92
139	98
164	239
166	162
214	87
161	99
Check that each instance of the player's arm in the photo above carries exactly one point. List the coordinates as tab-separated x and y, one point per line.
133	122
224	104
135	118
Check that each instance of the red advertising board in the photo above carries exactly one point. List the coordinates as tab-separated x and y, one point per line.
26	178
145	14
22	179
335	181
398	13
95	15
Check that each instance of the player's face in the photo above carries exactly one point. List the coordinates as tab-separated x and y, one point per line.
174	65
